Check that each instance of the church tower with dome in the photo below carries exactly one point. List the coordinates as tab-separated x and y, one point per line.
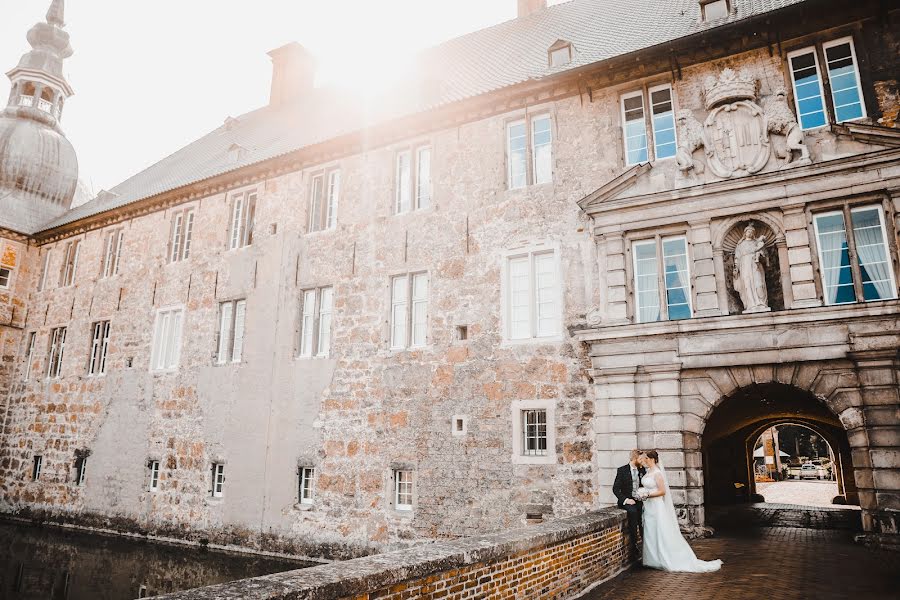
38	166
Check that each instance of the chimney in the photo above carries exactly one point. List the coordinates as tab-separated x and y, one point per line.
293	73
529	7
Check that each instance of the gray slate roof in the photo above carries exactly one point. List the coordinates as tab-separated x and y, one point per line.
478	63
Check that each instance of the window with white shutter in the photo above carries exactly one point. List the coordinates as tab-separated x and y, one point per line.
315	322
532	296
166	349
232	315
409	311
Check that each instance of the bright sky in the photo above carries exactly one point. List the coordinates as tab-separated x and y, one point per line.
150	77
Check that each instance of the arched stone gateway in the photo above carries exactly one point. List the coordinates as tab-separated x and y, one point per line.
701	420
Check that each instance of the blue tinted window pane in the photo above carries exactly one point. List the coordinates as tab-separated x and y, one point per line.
680	311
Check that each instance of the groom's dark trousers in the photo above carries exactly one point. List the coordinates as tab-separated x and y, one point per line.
622	488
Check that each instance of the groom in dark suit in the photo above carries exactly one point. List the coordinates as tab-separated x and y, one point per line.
628	480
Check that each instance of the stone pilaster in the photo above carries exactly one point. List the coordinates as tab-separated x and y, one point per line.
799	259
615	424
616	279
706	302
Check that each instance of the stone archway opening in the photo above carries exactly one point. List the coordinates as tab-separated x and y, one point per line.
795	464
735	425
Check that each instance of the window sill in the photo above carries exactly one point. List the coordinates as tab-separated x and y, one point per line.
321	231
549	459
313	357
163	371
303	506
404	513
507	343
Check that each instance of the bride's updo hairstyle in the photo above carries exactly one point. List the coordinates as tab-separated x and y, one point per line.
652	454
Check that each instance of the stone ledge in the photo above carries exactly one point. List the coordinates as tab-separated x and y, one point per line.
370	573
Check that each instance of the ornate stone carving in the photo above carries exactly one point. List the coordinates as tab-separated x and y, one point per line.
594	317
736	136
749	274
690	137
783	122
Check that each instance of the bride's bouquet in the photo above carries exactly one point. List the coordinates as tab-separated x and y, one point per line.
643	493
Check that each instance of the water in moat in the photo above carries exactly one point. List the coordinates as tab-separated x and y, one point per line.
48	563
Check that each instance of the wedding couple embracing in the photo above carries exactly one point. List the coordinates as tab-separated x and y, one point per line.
643	491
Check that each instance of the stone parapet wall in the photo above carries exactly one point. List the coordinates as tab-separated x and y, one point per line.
558	559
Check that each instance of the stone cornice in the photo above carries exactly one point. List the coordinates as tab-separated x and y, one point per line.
780	185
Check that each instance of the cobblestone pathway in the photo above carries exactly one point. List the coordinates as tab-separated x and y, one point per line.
808	493
770	563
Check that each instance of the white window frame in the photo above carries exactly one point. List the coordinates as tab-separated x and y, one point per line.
418	195
5	280
800	51
56	352
652	114
660	276
242	218
528	122
99	348
519	455
316	323
157	346
647	147
112	253
567	48
846	210
862	99
42	282
218	479
705	4
407	308
153	485
530	252
70	264
230	337
29	353
323	208
181	235
409	483
306	488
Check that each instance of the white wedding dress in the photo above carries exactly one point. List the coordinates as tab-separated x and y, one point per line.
664	546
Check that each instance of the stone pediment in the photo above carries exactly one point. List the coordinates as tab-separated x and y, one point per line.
614	187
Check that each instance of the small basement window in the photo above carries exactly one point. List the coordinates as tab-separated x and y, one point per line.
462	333
154	475
460	424
36	469
80	469
218	480
307	475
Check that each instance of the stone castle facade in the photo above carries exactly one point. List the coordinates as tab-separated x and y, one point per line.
317	333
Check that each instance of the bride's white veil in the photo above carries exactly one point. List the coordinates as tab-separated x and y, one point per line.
670	504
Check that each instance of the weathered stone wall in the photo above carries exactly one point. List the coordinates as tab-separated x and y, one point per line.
560	560
366	409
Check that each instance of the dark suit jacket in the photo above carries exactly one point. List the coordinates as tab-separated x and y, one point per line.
622	486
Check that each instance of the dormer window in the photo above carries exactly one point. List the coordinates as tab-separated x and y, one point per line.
237	153
714	9
560	53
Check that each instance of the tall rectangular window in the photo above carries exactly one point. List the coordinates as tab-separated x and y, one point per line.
409	311
243	215
673	283
36	467
80	469
218	480
532	296
55	355
29	354
323	200
181	235
663	120
634	128
153	467
315	322
111	252
807	88
232	315
5	277
403	489
843	75
166	349
534	432
99	348
305	491
423	177
45	270
70	264
529	151
542	149
404	188
871	275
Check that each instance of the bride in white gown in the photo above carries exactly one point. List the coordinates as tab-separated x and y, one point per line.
664	546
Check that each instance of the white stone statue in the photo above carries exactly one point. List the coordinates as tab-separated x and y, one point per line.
781	120
749	276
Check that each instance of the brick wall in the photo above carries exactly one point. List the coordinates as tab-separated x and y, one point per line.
559	559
